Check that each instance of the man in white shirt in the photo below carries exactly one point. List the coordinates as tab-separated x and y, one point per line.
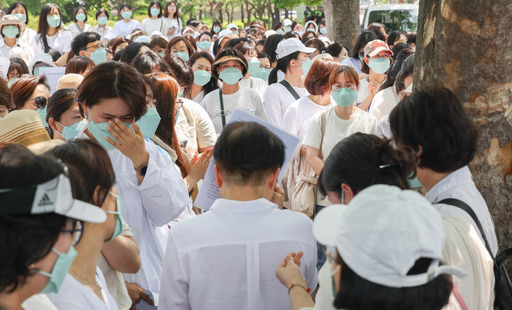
226	258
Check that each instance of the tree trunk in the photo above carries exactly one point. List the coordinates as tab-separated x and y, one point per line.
344	18
465	46
242	12
275	15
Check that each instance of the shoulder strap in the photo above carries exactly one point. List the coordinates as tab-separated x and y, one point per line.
290	89
222	113
462	205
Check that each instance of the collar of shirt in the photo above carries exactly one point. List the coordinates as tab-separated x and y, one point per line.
242	207
453	180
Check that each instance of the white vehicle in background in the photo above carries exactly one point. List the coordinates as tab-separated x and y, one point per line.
394	16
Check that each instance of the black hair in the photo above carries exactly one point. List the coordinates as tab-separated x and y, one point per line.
80	42
357	293
362	40
379	29
131	51
216	47
362	160
146	61
335	49
76	12
282	64
393	36
124	5
43	27
99	11
247	153
270	46
61	101
205	33
20	62
159	6
397	48
180	70
234	42
291	34
28	238
435	120
411	38
55	55
231	52
14	5
397	66
212	85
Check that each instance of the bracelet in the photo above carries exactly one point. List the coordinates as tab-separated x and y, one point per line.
308	290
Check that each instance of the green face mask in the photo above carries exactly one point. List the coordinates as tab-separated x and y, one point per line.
59	270
183	55
53	21
119	221
21	17
231	76
202	77
344	97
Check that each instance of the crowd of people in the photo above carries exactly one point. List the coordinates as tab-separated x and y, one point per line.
100	175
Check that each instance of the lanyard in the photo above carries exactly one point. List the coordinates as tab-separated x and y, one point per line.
222	113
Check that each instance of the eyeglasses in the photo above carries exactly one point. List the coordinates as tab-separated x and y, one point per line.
40	102
76	231
95	47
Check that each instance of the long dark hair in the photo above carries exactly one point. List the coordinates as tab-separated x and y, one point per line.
270	46
282	64
43	27
165	101
212	85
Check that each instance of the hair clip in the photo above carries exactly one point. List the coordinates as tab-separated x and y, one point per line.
385	166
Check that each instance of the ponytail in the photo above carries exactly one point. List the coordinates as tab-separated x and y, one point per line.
282	64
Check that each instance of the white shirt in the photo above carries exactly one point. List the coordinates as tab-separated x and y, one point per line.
38	302
384	102
245	99
5	49
227	257
27	36
122	28
75	295
299	114
76	30
384	128
101	31
158	24
199	97
175	23
278	99
61	42
459	185
259	85
194	126
363	92
464	249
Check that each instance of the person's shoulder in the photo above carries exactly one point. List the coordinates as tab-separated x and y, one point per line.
210	96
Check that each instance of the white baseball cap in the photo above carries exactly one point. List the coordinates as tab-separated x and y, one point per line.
41	57
142	39
292	45
287	22
232	25
53	196
270	32
381	234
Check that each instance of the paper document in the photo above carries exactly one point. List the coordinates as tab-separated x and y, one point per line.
210	191
53	74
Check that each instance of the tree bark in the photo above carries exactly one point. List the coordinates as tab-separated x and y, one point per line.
465	46
342	18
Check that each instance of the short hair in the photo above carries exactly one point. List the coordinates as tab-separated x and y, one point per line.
93	162
435	120
358	293
393	36
180	70
362	160
124	5
379	29
80	41
100	11
5	95
158	41
317	79
21	168
79	64
247	153
14	5
146	61
23	89
335	49
61	101
151	5
131	51
316	43
20	62
166	12
349	73
114	80
76	12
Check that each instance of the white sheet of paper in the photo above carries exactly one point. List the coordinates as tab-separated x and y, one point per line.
4	66
209	191
53	74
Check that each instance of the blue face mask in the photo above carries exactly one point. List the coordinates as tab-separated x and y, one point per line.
42	113
99	56
126	14
414	182
279	31
69	132
254	65
148	123
216	29
261	73
99	131
155	11
162	55
80	17
306	65
204	45
287	28
119	222
323	30
344	97
102	20
202	77
183	55
21	17
59	270
11	82
53	21
10	31
231	76
379	65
